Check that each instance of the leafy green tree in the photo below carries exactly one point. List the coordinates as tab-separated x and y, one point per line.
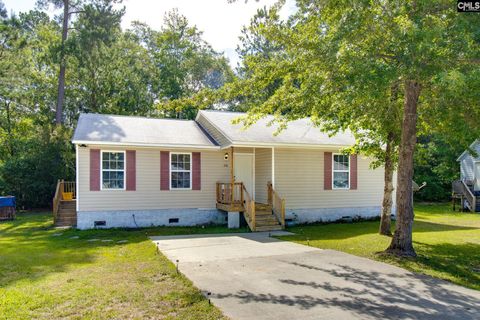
113	71
342	59
32	154
70	8
186	63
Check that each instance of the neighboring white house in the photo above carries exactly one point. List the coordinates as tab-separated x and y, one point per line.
134	171
470	165
468	187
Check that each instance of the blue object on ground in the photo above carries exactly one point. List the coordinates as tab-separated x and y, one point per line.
7	201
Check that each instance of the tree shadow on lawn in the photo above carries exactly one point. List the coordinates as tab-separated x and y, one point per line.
31	248
338	231
368	293
459	263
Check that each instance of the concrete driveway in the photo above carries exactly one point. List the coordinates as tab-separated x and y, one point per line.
253	276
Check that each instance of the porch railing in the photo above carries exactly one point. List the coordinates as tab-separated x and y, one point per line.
277	203
249	207
230	193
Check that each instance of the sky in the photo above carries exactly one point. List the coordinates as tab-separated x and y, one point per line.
220	21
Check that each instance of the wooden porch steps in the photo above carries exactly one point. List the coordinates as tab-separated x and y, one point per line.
265	220
67	214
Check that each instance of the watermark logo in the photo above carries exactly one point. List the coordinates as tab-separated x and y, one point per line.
468	6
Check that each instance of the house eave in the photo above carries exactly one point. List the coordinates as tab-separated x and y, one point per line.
240	144
145	145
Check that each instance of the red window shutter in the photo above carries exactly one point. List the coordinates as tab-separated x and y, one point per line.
94	170
164	170
196	171
131	175
327	171
353	172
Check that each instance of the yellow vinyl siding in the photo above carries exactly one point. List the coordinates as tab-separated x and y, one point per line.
299	179
148	194
263	173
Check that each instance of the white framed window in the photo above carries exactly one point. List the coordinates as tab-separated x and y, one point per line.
341	171
180	171
113	170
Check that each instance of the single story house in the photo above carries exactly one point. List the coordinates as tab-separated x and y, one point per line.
137	172
468	187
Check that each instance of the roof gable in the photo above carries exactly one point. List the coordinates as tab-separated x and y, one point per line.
474	146
300	132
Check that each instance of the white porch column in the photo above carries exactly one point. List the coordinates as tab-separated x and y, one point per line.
273	168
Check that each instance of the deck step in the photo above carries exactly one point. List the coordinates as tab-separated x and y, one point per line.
269	228
263	213
65	224
265	220
67	214
262	207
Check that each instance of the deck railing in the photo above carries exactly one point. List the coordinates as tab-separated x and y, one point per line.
468	194
277	203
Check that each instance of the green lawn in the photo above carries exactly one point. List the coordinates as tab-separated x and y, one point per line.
49	273
447	243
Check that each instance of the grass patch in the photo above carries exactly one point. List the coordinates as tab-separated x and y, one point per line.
447	243
48	273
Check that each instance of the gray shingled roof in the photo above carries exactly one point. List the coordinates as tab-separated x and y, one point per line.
297	133
109	129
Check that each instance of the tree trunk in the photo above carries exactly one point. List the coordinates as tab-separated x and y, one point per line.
61	75
402	238
385	220
9	129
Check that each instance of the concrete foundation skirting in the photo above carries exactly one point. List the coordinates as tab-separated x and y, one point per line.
312	215
195	217
149	218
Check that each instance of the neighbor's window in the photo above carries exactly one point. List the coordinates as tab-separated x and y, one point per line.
341	171
180	171
113	170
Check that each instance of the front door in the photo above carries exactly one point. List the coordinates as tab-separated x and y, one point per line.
477	177
243	170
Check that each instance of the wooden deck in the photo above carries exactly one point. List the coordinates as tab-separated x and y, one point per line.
236	207
468	200
234	197
64	204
